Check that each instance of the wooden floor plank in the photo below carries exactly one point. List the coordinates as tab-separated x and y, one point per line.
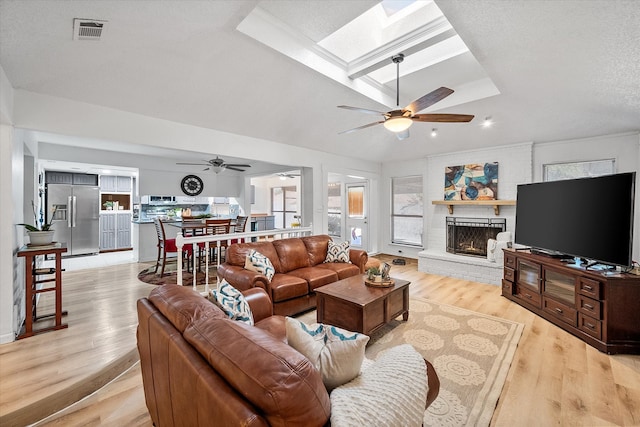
555	379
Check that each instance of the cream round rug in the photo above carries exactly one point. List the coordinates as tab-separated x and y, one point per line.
471	352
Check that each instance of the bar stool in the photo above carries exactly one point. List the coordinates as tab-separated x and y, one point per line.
168	246
218	226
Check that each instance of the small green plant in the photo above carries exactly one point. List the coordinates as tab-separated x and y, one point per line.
43	227
108	205
373	271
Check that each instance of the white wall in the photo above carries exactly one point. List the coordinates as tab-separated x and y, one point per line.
11	275
518	164
624	148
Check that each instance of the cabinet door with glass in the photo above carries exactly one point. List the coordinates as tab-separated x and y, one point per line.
559	286
529	274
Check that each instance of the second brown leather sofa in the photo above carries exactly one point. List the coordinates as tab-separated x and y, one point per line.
300	269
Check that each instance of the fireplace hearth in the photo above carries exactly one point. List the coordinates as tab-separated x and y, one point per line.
468	236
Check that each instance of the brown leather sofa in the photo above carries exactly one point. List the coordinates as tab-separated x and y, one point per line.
200	368
300	269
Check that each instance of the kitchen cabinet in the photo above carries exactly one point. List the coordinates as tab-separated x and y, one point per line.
262	223
107	232
115	184
70	178
115	231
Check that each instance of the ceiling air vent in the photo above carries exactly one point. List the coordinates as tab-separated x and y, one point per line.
88	29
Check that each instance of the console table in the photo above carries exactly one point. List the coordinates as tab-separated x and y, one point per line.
33	278
602	309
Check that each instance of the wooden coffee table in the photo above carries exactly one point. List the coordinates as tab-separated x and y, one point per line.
352	305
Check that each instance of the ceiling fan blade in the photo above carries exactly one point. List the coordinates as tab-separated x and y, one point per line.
237	165
197	164
443	118
362	110
429	99
360	127
403	135
233	168
205	169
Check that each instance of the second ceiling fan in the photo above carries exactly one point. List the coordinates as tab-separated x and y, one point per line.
400	119
218	165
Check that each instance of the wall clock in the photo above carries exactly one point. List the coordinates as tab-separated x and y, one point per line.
192	185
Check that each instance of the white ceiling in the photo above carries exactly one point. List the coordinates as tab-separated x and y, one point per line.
564	69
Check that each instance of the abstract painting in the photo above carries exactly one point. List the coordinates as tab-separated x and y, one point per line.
476	181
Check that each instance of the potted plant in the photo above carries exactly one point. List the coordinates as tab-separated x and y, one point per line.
108	205
373	274
39	236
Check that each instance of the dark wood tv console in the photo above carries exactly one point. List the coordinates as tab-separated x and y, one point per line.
602	309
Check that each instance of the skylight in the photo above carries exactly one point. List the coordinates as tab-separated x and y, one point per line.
358	53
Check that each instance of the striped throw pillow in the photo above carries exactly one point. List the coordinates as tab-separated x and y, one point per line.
335	352
337	252
259	263
232	302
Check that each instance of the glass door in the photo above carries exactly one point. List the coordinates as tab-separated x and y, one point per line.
357	224
284	206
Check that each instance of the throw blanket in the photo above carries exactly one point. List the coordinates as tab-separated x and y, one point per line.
392	391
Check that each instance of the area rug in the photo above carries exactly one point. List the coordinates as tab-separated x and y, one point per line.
171	276
471	352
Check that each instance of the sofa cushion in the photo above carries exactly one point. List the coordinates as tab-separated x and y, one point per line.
315	276
232	302
275	378
391	392
316	248
292	254
259	263
236	254
335	352
342	269
337	252
275	326
286	286
180	305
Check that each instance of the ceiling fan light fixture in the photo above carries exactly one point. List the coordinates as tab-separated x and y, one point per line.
217	168
398	124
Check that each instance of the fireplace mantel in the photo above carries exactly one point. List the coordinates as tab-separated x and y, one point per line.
495	203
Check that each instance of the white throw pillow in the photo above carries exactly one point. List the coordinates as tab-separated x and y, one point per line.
259	263
391	392
232	302
337	252
335	352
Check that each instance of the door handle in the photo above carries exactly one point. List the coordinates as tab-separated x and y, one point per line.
69	212
73	212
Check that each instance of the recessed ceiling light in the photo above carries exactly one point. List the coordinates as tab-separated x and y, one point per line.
434	132
487	123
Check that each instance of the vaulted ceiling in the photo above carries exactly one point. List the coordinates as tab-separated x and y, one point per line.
563	70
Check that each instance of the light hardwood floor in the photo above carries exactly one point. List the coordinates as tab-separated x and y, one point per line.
555	379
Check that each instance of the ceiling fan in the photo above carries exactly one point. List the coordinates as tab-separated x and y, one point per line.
400	119
284	175
218	165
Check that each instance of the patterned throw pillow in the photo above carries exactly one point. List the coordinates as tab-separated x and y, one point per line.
232	302
337	252
259	263
335	352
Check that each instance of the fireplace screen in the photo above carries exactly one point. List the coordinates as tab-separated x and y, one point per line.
468	236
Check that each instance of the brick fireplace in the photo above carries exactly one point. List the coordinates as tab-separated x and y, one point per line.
468	236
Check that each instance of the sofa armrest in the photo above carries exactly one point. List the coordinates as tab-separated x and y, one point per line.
260	303
433	382
358	258
241	278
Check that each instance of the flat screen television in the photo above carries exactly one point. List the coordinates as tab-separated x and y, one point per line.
589	218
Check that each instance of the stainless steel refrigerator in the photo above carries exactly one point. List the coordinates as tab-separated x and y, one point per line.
76	217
